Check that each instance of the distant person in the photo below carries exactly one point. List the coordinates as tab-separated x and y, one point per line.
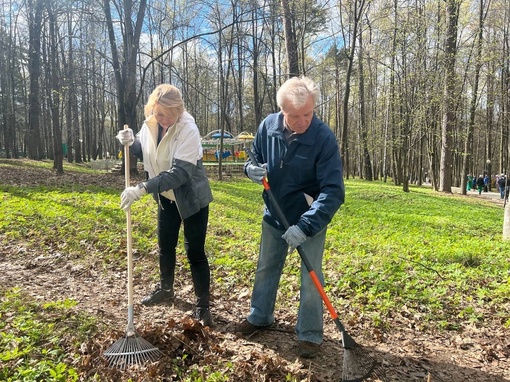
169	145
502	185
486	181
302	159
479	184
469	182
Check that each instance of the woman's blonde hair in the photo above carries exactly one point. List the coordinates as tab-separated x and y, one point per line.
168	99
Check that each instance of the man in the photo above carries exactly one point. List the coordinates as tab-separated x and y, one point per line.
300	157
502	185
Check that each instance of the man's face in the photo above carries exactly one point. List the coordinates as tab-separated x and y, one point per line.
298	118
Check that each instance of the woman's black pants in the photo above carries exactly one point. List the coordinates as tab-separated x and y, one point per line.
195	228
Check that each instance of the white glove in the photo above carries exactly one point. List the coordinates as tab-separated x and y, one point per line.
126	137
256	173
131	195
294	237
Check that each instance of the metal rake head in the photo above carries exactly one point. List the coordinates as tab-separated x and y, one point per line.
131	350
358	364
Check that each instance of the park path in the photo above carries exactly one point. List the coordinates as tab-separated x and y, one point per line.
490	195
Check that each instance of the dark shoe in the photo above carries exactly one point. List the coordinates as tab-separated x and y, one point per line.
204	316
158	296
308	349
246	328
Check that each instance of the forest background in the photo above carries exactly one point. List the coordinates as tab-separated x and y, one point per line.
413	90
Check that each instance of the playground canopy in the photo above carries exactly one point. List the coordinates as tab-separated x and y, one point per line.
212	139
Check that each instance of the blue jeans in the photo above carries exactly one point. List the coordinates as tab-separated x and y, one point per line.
273	252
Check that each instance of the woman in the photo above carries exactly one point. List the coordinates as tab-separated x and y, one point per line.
169	146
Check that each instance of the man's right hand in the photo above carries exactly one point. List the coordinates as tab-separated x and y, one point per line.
126	137
256	173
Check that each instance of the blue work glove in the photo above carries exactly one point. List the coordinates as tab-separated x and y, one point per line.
126	137
294	237
131	195
256	173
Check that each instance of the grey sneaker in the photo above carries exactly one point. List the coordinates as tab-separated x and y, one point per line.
204	316
158	296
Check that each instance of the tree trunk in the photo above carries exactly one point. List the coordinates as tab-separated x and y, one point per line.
290	41
125	69
34	68
367	163
54	100
490	119
506	222
358	9
504	147
468	144
8	82
449	117
257	99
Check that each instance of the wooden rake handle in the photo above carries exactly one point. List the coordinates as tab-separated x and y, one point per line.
128	230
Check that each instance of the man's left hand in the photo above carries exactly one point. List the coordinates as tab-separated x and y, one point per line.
294	237
131	195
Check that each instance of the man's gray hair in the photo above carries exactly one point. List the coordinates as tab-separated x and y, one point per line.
296	90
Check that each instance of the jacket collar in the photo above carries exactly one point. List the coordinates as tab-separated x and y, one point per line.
276	129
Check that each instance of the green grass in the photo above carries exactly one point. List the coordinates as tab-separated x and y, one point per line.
438	260
34	338
440	257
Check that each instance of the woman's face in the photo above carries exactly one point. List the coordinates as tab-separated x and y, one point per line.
165	117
